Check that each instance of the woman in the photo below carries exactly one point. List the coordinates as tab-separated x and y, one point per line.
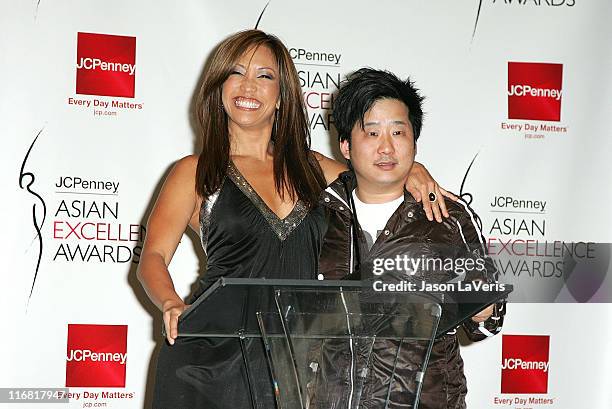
252	195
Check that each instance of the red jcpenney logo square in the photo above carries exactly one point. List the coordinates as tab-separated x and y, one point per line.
106	65
96	355
525	363
534	91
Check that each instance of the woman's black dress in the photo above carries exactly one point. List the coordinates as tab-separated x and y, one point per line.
242	238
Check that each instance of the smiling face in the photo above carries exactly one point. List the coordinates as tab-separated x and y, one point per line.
382	153
251	93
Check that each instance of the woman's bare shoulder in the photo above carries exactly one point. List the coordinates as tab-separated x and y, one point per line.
187	164
178	201
179	186
183	173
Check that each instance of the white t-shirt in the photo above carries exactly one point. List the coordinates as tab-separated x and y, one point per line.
373	217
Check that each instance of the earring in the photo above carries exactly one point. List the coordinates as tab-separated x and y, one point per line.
275	125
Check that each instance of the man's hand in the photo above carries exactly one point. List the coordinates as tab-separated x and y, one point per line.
483	315
172	309
420	184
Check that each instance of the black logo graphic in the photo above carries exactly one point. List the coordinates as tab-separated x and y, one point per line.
467	197
26	180
543	3
476	22
261	15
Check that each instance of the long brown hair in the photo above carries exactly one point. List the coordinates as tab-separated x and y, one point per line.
295	169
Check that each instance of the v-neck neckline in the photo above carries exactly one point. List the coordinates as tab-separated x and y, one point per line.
281	227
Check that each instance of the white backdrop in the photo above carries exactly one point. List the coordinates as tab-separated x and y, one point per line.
458	53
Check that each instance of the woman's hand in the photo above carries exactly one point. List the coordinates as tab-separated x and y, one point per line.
420	184
172	309
483	315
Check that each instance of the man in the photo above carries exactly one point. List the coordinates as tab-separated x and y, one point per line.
371	217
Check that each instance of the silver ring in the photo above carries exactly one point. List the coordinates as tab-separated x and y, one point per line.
432	197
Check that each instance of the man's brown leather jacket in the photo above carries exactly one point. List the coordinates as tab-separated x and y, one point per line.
409	232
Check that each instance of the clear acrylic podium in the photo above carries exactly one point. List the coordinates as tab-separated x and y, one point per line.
328	344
